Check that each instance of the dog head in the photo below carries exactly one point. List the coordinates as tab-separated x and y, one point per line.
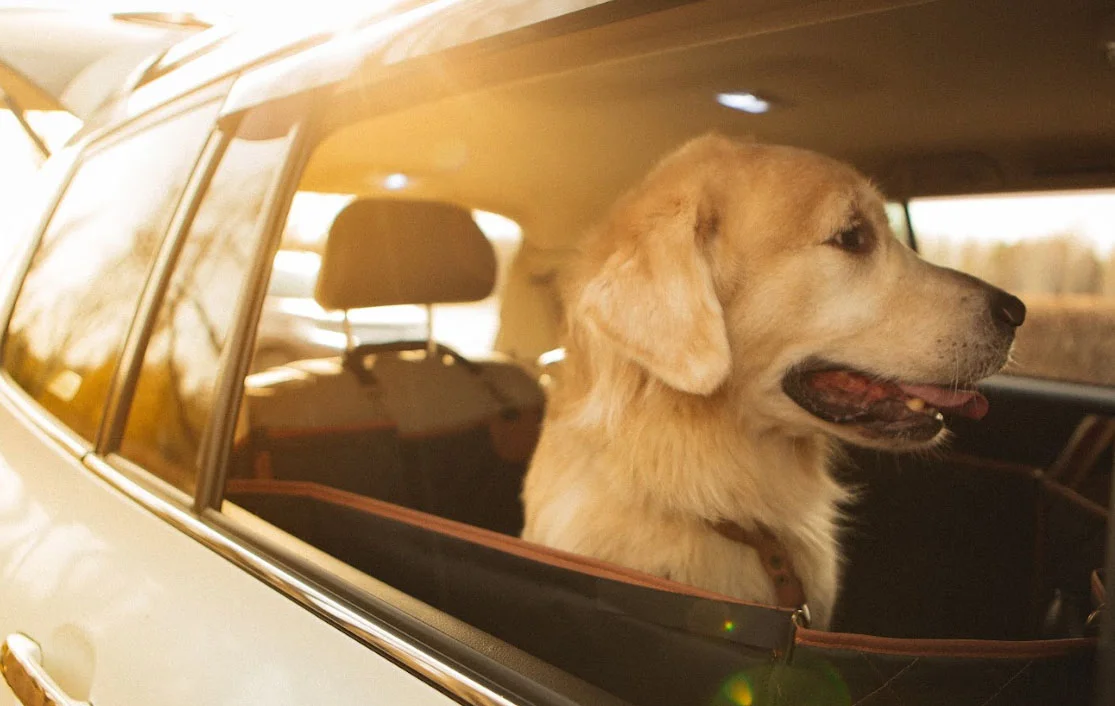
769	276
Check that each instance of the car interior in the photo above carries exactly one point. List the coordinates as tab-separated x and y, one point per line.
405	459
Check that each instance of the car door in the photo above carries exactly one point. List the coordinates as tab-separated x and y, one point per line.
105	597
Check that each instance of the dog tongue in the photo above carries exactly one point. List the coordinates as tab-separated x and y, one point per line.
966	403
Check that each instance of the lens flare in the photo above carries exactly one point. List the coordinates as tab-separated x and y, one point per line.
807	680
738	691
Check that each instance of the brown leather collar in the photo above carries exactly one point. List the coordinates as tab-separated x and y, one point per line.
775	559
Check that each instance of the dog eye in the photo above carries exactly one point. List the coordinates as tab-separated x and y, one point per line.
857	239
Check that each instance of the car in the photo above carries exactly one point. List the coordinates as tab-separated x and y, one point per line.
188	517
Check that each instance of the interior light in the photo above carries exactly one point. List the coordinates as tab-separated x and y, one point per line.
396	181
551	356
747	102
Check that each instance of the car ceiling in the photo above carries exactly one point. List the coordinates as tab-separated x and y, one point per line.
952	96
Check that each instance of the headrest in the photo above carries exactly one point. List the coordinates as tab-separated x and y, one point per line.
384	251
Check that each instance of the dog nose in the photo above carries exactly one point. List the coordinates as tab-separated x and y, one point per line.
1008	309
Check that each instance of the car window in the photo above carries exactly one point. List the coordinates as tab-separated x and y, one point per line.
1054	250
174	392
402	452
23	207
77	300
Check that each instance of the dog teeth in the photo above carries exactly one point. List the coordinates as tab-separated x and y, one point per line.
915	404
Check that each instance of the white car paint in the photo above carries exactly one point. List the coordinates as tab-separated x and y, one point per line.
128	609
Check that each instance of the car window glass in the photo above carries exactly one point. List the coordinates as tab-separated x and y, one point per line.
23	207
173	395
77	301
1054	250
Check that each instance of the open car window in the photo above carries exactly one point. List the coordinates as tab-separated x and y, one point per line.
1056	250
397	445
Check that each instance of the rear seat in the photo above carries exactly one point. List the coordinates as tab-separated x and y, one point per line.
409	422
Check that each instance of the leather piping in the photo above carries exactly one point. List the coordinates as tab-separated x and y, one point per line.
918	647
477	535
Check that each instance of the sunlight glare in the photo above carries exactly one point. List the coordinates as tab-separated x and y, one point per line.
1011	218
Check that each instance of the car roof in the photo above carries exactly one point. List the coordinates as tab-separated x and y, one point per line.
72	61
926	96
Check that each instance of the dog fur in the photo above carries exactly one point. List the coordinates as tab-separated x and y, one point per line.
684	310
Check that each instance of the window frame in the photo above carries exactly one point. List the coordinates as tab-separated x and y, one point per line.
131	359
76	444
216	445
34	240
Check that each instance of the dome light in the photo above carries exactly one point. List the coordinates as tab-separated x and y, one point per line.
747	102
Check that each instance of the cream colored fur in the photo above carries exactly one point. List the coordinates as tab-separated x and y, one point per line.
686	307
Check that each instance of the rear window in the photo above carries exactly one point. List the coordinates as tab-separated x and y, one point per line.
77	301
1056	251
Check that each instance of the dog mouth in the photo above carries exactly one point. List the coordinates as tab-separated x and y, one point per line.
879	407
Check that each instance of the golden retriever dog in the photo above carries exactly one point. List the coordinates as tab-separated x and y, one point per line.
737	312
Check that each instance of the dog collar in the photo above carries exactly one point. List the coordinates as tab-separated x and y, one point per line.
776	561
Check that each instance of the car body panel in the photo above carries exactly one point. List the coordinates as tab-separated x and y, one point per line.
112	623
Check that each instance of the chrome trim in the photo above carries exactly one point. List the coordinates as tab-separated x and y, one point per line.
379	636
168	20
124	129
239	347
21	661
132	353
145	478
34	239
42	420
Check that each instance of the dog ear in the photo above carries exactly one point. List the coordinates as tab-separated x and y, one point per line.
654	296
